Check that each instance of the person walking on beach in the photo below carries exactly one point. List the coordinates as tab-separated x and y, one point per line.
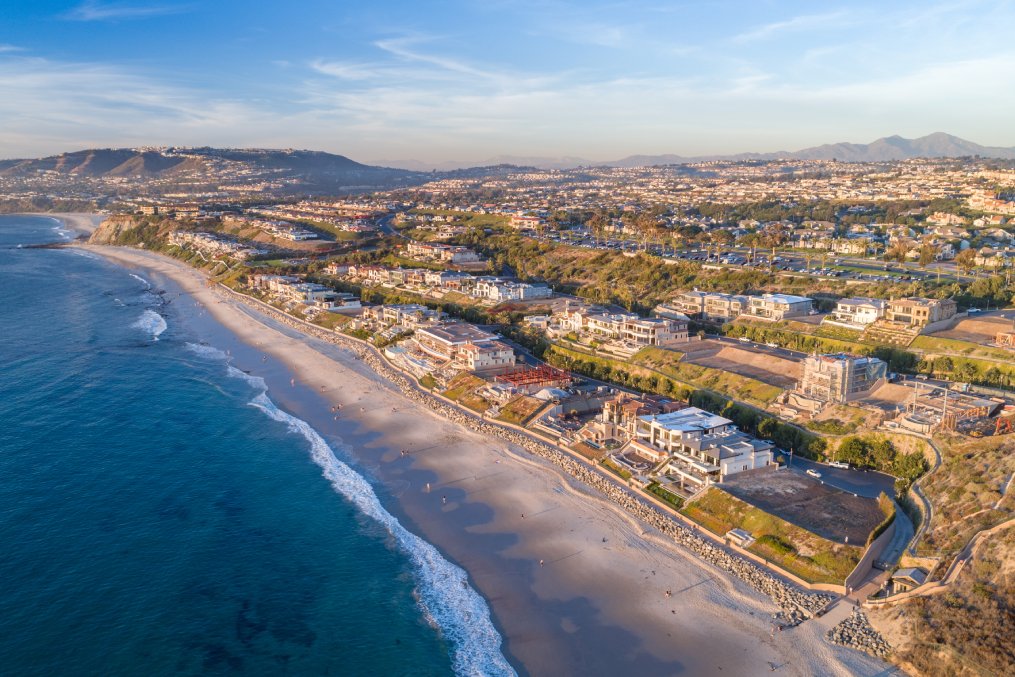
540	562
444	500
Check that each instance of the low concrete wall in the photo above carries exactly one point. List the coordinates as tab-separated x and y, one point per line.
866	563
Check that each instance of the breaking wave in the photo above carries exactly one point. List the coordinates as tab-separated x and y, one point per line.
152	323
146	283
206	351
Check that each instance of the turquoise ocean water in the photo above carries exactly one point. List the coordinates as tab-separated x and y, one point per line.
160	515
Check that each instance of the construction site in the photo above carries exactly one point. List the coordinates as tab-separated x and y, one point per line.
530	380
923	407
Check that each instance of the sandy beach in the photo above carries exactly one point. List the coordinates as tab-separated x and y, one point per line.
80	223
576	586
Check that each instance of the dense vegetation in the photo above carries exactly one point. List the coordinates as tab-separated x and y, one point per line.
879	453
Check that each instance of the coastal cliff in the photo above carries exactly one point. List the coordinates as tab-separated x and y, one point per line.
112	230
125	229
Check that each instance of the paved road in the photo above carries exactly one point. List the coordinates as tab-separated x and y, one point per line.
866	483
758	347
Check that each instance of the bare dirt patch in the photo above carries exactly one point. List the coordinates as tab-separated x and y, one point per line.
889	396
977	329
776	371
808	504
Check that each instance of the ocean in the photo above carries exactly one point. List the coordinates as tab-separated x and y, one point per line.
160	514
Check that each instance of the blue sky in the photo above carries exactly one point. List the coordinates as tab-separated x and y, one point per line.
439	81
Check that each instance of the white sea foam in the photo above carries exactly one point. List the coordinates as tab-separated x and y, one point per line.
146	283
255	381
206	351
444	594
78	252
151	322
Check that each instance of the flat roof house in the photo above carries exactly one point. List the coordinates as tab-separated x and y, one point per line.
445	340
703	448
858	312
920	312
779	306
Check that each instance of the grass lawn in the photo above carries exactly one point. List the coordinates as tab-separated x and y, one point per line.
738	387
807	555
332	320
519	410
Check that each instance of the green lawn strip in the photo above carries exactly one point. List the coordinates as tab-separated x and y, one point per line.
616	469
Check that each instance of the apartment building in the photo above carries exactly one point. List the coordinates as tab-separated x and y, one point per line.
919	312
840	377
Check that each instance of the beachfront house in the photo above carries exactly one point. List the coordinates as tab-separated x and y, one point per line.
702	448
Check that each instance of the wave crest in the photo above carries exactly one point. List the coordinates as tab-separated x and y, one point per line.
152	323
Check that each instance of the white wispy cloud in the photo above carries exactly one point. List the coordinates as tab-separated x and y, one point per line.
795	24
404	49
50	106
92	10
5	48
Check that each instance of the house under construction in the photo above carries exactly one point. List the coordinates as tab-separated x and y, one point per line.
840	377
533	379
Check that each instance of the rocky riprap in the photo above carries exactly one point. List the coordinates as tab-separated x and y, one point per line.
857	632
796	604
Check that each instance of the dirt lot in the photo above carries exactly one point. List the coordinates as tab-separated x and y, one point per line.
807	503
777	371
978	329
889	397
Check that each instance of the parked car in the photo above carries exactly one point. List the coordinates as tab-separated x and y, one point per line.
842	465
744	339
814	473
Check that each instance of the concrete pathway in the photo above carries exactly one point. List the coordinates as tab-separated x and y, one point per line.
903	535
839	611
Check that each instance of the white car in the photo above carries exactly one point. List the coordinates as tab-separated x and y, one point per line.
842	465
744	339
772	345
814	473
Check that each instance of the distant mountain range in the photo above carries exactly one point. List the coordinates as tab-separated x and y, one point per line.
309	170
888	148
314	171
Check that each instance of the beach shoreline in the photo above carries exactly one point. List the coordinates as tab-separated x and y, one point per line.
597	606
80	223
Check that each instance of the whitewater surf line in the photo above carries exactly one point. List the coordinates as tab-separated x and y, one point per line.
444	595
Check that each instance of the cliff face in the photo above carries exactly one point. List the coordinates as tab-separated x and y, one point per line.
113	229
